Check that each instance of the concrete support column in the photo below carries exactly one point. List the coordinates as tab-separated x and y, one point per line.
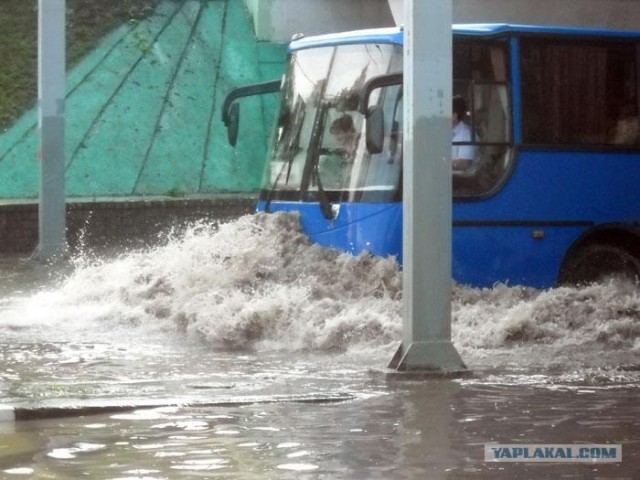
426	343
51	125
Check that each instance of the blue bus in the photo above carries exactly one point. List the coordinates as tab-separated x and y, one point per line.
551	191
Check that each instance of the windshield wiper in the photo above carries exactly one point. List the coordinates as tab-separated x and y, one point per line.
323	198
290	148
313	160
272	190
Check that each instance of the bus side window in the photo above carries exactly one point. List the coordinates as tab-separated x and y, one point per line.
490	121
596	103
481	78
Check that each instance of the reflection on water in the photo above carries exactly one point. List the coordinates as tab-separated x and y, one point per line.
267	341
433	429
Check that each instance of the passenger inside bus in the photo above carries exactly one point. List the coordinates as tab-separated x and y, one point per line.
627	128
462	152
338	153
344	135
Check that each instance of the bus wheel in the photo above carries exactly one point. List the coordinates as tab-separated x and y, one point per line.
597	262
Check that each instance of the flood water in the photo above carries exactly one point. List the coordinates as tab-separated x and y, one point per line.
257	355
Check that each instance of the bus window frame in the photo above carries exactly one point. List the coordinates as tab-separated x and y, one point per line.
508	46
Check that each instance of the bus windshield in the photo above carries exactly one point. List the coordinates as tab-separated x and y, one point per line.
317	143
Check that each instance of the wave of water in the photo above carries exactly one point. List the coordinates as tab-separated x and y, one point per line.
258	284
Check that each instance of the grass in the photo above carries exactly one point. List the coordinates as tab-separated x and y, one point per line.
87	21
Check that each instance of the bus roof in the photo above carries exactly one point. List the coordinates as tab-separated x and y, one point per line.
395	35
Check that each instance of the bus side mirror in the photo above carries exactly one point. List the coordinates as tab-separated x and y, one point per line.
231	108
375	129
232	122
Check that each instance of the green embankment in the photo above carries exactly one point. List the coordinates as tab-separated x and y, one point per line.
143	107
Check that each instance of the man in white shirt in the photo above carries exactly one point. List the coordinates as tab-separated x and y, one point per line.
461	155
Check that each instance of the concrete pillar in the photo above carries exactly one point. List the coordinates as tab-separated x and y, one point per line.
51	123
426	343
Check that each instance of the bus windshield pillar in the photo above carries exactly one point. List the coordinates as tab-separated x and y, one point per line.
426	343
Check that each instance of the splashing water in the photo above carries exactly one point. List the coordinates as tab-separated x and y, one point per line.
258	284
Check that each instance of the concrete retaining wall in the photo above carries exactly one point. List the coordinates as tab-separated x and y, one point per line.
118	224
277	20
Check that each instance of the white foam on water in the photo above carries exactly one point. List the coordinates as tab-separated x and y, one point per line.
596	325
258	284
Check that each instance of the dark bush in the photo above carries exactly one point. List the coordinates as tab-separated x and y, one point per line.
87	22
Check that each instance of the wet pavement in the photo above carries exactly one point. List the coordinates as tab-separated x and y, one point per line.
433	429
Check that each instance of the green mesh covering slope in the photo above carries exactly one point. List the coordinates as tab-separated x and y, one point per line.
143	109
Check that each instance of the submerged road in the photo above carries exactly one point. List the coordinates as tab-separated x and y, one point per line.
245	351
